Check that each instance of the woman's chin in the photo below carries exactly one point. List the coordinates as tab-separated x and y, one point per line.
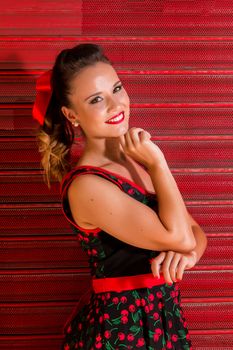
122	129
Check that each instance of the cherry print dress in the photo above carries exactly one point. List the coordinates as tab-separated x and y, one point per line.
126	307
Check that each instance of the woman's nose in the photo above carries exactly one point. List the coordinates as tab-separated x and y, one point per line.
113	104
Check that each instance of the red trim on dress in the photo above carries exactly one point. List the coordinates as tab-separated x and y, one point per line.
141	189
87	230
118	284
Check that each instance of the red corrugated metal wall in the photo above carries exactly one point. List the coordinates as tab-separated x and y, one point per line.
176	61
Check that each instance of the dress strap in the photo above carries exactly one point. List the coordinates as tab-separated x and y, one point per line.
67	180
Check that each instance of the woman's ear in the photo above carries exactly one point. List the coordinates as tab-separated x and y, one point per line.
69	114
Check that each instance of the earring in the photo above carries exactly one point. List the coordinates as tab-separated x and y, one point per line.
75	124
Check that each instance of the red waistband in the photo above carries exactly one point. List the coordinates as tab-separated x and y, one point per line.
118	284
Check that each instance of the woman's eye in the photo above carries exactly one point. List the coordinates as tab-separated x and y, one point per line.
119	86
94	100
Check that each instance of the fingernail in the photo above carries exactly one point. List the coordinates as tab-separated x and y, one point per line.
170	284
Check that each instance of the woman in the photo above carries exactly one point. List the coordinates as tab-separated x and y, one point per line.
127	211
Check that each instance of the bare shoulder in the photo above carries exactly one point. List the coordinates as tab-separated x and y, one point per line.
89	192
90	196
86	184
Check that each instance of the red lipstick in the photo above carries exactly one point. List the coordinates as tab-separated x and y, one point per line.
116	119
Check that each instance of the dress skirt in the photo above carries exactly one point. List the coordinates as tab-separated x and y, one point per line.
144	318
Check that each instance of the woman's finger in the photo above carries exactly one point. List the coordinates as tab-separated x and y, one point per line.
180	268
134	134
173	266
156	264
145	135
166	267
128	142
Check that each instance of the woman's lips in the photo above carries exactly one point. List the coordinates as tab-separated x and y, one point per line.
117	119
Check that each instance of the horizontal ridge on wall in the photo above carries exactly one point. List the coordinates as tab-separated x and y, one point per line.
171	119
66	253
22	187
48	342
20	153
44	285
166	17
167	87
47	219
49	317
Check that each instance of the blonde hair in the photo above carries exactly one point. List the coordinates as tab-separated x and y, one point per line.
54	157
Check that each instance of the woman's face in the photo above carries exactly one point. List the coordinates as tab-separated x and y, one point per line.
97	95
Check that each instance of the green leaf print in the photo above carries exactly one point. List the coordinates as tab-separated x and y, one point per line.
109	346
163	290
116	321
134	328
182	334
135	316
163	341
177	312
109	322
102	254
151	334
168	298
156	322
135	294
118	305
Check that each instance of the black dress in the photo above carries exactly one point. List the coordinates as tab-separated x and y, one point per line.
141	318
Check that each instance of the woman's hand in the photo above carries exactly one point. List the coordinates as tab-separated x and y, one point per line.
172	265
137	144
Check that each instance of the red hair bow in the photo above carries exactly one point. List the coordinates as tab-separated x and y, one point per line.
43	95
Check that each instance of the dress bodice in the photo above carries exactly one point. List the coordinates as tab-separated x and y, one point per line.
109	256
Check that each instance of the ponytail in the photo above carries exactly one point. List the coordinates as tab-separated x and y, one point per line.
55	141
56	134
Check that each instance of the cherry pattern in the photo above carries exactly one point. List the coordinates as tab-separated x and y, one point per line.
146	318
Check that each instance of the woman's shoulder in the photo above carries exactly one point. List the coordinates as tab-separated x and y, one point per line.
72	179
129	171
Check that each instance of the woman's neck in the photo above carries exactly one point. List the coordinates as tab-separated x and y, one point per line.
108	150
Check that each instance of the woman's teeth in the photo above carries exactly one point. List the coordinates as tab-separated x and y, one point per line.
117	119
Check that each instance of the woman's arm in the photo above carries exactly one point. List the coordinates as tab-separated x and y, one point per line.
200	237
173	264
172	212
171	207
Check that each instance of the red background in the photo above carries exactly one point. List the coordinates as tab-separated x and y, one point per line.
176	61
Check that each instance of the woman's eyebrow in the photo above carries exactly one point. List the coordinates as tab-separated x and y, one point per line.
96	93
